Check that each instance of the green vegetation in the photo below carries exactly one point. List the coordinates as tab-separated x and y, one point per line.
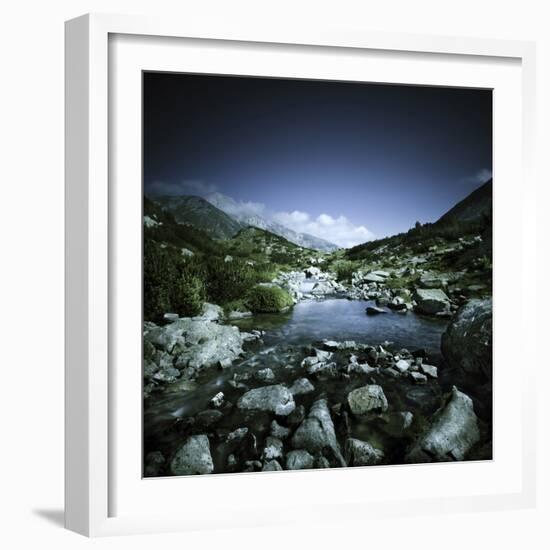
344	270
268	299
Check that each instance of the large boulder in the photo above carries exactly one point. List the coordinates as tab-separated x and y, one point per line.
367	399
431	301
193	457
276	399
316	433
453	432
468	341
195	343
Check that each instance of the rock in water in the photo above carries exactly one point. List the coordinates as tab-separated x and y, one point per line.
272	466
316	432
299	460
301	387
468	341
361	453
367	399
373	310
431	301
276	399
452	433
193	457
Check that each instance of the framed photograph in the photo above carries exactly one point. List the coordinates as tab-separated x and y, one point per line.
290	264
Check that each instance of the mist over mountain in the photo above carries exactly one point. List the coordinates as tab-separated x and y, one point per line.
248	214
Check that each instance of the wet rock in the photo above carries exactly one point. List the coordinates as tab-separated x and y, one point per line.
234	315
193	457
367	399
428	370
211	312
272	466
418	378
154	464
237	435
360	368
402	365
206	419
217	400
276	399
467	342
301	386
373	310
316	432
264	375
278	431
273	448
299	460
323	370
453	432
361	453
431	301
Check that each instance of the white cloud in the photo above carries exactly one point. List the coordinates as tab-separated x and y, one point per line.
480	177
340	230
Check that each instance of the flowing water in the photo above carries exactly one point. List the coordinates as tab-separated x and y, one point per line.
283	347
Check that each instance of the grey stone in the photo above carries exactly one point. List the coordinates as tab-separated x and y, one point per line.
367	399
237	435
428	370
431	301
468	341
361	453
272	466
264	375
316	432
281	432
273	448
373	310
154	464
418	378
276	399
193	457
301	387
299	460
453	432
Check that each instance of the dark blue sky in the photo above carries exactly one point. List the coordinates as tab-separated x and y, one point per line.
382	156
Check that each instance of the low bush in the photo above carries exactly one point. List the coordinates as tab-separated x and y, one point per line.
268	299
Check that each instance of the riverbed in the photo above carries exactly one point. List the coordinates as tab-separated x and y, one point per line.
286	339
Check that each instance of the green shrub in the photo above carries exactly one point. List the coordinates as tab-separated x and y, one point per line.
188	296
344	270
268	299
227	281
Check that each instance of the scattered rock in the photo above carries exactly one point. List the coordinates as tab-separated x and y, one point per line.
217	400
301	387
264	375
278	431
211	312
402	365
272	466
193	457
373	310
452	433
367	399
418	378
431	301
428	370
276	399
273	448
316	432
361	453
237	435
299	460
297	416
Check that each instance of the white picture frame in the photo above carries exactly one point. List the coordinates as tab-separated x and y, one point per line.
92	222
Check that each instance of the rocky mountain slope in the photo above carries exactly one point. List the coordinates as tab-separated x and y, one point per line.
188	209
230	207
